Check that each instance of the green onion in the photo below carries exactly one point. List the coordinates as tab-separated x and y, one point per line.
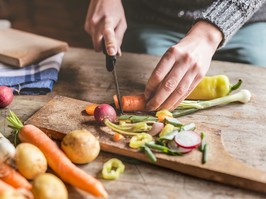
187	106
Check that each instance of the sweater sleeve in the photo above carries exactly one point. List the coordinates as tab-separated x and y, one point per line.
230	15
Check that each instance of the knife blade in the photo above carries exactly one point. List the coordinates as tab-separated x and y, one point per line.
110	66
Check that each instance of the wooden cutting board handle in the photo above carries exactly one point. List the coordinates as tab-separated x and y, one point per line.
62	115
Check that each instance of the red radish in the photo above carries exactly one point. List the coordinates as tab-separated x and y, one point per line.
156	128
173	146
104	111
6	96
188	139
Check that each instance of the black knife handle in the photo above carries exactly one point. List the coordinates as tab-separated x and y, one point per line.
110	60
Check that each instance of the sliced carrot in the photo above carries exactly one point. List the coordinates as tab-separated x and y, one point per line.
56	158
5	187
117	137
131	103
90	108
13	178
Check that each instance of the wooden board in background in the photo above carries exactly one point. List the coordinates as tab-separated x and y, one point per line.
62	115
19	48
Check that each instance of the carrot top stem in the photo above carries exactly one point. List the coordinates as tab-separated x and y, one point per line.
15	124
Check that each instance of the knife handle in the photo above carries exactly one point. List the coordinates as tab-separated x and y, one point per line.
110	60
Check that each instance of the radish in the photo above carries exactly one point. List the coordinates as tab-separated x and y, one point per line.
174	147
6	96
105	111
188	139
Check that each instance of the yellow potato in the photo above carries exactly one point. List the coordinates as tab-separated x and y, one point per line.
30	160
80	146
48	186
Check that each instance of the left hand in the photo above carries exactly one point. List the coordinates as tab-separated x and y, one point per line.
182	67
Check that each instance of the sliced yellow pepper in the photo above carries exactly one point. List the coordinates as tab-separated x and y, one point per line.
139	140
112	169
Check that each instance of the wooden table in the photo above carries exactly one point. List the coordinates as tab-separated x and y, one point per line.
83	76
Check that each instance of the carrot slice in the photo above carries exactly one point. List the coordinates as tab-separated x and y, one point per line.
90	108
131	103
13	178
117	137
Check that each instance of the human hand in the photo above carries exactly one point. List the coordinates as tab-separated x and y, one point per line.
106	19
182	67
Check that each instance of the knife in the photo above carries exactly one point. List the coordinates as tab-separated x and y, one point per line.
110	66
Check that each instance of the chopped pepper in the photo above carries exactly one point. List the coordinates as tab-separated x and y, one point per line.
139	140
211	87
162	114
112	169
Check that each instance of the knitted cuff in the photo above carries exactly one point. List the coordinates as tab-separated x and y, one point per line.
228	16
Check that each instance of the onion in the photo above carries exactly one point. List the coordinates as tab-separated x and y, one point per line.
6	96
105	111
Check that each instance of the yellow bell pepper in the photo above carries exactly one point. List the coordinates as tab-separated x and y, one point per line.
211	87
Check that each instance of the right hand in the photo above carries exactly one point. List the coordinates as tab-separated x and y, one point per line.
106	19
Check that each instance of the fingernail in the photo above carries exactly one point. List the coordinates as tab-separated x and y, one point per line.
111	51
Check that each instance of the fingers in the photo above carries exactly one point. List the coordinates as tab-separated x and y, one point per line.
159	73
171	82
110	39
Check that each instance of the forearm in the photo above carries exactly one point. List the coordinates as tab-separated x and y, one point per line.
229	16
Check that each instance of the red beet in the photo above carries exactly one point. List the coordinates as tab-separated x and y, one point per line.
104	111
6	96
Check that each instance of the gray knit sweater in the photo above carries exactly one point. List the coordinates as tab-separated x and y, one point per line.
228	15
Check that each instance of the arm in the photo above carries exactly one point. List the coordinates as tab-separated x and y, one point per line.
183	65
106	19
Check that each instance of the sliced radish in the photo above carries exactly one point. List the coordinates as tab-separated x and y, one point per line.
188	139
174	147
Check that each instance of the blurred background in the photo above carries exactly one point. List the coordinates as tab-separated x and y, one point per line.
58	19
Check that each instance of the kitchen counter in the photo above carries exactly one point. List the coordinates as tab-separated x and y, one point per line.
83	76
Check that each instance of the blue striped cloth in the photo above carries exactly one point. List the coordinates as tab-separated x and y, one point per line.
35	79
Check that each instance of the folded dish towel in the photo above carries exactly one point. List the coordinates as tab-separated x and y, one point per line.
35	79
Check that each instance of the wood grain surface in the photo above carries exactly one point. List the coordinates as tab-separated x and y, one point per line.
83	76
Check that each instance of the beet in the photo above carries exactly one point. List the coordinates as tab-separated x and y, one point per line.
105	111
6	96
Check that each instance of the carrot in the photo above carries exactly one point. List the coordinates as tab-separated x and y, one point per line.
13	178
5	187
90	108
131	103
117	137
56	159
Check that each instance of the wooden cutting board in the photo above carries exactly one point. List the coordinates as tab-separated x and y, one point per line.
62	115
19	48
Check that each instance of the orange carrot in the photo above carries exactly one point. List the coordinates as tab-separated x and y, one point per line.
5	187
56	159
13	178
90	108
117	137
131	103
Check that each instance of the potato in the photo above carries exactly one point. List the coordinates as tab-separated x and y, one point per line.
80	146
30	160
48	186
